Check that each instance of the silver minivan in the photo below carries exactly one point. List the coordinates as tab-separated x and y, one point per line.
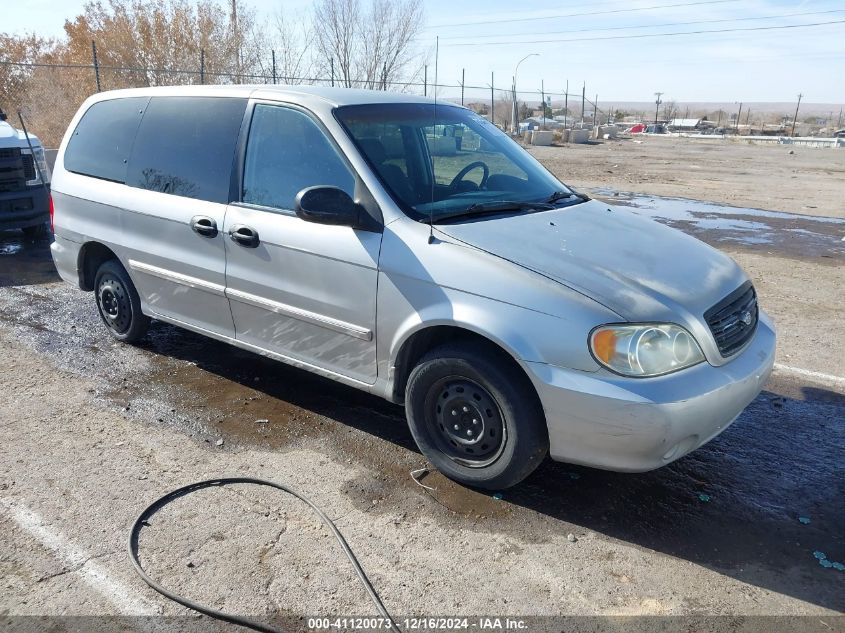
410	249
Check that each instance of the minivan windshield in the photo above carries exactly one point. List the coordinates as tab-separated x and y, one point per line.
445	162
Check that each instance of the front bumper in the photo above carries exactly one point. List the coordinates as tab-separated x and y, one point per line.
24	208
639	424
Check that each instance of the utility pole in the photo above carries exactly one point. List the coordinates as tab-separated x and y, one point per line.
583	101
795	118
657	105
332	62
492	100
425	80
839	120
543	101
463	79
202	65
596	111
237	36
565	103
738	114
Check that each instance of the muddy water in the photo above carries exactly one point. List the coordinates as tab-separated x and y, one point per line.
24	261
783	234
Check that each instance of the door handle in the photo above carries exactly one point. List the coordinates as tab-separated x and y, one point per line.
203	225
244	235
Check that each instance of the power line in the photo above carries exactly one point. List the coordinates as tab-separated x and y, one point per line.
643	35
575	15
645	26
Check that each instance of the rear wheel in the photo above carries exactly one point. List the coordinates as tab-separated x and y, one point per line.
118	303
475	416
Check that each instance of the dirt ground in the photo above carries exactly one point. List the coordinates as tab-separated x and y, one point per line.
808	181
92	431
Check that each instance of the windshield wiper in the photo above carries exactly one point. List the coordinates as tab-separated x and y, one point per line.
500	206
563	195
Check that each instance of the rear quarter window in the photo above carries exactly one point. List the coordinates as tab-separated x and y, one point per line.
186	147
102	141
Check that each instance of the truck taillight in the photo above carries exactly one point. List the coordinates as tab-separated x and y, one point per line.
52	225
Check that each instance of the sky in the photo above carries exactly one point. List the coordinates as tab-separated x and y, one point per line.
772	65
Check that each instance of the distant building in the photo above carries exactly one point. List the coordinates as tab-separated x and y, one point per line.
689	125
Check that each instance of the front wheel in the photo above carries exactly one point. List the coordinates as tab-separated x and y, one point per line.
476	417
118	303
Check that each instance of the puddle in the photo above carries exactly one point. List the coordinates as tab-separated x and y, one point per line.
10	247
25	262
787	234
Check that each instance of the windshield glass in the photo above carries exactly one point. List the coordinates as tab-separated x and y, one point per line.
475	166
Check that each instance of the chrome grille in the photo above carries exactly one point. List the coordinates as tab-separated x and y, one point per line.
733	320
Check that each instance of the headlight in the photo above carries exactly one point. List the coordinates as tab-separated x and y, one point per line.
644	350
41	160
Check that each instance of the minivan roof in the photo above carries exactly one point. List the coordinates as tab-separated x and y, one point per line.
331	96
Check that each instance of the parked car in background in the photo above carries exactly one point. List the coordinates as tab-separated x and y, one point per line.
24	181
335	231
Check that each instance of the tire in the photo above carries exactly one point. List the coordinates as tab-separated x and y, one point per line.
36	232
118	303
501	436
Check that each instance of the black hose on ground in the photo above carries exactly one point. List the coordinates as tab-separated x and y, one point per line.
159	503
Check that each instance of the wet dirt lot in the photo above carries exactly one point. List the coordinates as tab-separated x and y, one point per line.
93	430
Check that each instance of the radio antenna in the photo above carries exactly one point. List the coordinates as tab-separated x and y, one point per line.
434	140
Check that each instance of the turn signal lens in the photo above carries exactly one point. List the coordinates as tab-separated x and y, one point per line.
604	345
644	350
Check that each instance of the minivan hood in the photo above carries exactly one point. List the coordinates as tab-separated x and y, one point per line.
637	267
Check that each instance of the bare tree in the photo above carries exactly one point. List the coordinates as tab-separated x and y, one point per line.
336	24
670	107
370	47
162	35
292	38
388	33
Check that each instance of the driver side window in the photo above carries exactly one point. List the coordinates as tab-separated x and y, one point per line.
286	152
453	148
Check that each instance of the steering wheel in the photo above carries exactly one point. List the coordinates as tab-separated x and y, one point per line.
460	175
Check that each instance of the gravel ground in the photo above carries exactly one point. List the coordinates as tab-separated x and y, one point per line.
808	181
92	431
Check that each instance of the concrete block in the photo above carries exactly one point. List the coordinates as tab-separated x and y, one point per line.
608	131
542	137
442	146
579	136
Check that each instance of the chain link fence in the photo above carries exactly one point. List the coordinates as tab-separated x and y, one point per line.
50	93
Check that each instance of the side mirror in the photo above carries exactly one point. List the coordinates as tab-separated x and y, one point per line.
327	205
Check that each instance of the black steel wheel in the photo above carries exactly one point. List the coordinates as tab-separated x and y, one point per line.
475	415
467	422
118	303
